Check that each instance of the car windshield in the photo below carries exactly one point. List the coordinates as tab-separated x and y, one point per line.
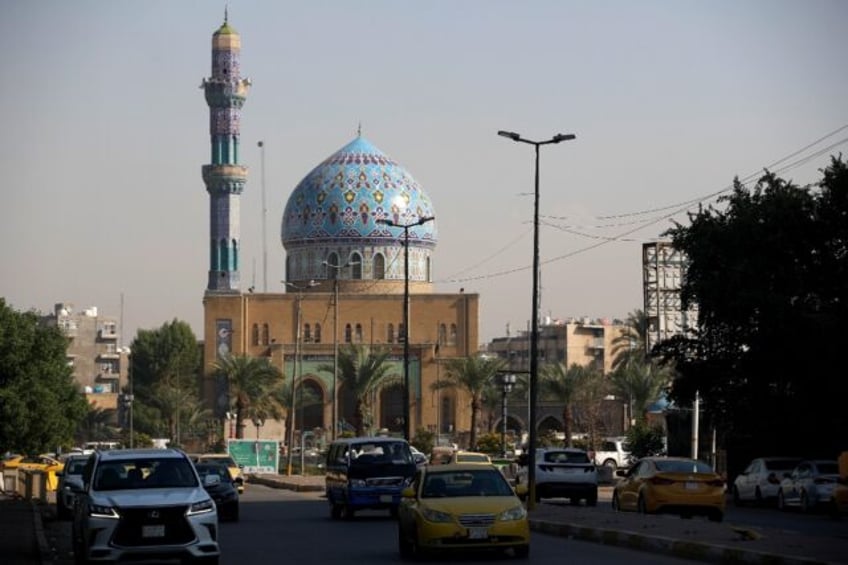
451	484
144	473
396	453
75	466
213	469
682	466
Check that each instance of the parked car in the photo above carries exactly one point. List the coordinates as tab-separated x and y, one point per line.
612	453
760	480
675	485
223	490
236	471
456	507
141	504
562	472
809	485
470	457
70	481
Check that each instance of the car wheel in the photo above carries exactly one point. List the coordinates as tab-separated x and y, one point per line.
611	464
522	551
781	502
641	506
737	501
616	504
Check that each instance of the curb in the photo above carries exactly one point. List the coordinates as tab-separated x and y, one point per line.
45	553
283	484
694	550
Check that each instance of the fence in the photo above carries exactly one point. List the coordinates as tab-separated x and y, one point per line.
26	483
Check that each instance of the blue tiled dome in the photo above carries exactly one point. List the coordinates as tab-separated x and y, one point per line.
341	199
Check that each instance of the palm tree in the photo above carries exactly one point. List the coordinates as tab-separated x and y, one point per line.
641	383
96	425
363	370
564	385
473	375
632	345
250	380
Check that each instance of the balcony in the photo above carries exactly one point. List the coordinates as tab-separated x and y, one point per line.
108	355
596	343
108	334
108	376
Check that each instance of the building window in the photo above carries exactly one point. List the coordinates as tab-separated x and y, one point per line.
390	333
254	334
379	266
443	334
358	335
356	266
452	336
307	333
223	256
235	256
348	333
401	333
332	267
265	334
317	333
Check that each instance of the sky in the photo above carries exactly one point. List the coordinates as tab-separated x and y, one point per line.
106	129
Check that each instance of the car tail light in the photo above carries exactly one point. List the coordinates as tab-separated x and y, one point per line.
660	481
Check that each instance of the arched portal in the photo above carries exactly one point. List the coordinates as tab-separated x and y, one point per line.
313	405
391	408
347	409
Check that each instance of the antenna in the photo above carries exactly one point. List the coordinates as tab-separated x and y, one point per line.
261	145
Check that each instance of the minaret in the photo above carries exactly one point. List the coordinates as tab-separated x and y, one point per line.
224	178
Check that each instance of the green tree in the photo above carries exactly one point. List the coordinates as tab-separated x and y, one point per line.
96	425
564	385
768	270
164	368
363	370
631	345
40	406
644	441
640	383
252	382
474	375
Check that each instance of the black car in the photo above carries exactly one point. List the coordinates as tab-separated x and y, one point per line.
224	492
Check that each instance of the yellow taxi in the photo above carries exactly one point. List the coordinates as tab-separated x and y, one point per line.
676	485
470	457
225	459
10	461
461	507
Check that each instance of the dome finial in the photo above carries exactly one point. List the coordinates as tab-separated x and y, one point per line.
226	16
359	130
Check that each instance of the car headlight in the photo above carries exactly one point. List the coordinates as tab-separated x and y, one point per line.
515	513
102	511
435	516
357	482
201	507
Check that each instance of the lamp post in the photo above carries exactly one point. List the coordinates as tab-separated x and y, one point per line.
336	269
405	227
258	422
534	325
507	383
296	367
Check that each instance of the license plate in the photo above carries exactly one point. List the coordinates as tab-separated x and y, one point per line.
156	531
692	486
478	533
385	498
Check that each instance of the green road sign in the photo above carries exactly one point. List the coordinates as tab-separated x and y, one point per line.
255	456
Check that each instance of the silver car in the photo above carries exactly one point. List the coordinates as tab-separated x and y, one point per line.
144	504
761	479
810	485
70	480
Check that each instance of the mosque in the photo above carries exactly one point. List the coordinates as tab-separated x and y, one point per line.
347	268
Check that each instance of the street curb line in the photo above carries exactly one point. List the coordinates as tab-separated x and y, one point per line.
285	485
694	550
45	553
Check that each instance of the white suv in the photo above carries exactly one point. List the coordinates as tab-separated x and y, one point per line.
563	472
144	504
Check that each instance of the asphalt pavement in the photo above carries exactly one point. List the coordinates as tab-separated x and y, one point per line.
25	541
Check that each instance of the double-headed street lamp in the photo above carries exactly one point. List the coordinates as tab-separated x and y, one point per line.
534	326
405	227
507	384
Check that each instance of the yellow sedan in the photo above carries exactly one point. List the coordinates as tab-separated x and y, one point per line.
456	507
675	485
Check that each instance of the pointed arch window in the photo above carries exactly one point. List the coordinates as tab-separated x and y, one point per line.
379	266
317	333
401	333
307	333
330	268
356	266
254	334
452	336
266	334
348	337
358	334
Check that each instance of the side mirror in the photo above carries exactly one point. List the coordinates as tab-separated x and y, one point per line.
408	492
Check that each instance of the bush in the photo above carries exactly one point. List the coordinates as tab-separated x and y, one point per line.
489	443
644	441
424	440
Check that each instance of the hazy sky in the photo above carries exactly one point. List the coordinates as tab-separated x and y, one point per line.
106	130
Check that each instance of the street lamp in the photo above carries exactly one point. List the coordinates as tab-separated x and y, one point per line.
258	422
534	331
507	383
296	367
405	227
336	268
